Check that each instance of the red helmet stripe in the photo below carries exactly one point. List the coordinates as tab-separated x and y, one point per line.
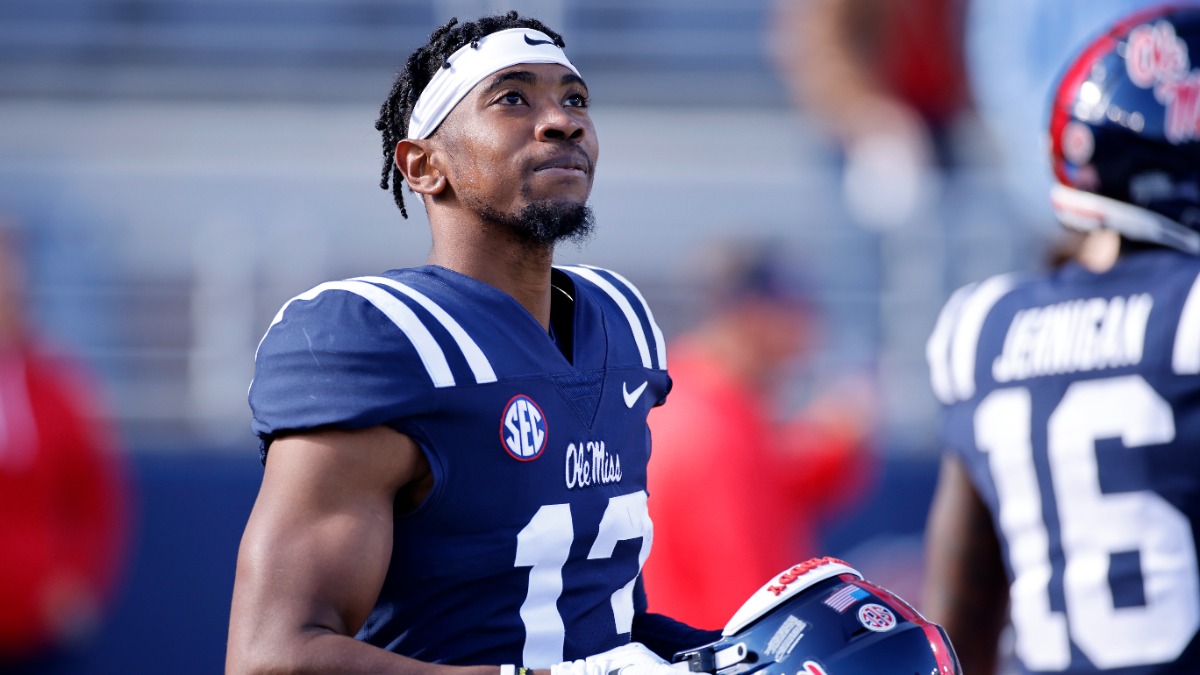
941	651
1064	98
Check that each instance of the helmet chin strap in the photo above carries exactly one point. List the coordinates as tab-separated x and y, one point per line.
1087	211
711	661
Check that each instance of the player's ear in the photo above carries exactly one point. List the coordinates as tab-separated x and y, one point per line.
413	160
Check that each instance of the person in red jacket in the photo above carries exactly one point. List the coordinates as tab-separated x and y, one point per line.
63	502
735	495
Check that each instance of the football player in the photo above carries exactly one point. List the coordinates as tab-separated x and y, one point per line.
455	454
1070	490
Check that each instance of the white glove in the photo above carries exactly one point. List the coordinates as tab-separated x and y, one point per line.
631	659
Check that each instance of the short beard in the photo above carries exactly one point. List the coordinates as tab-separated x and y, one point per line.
545	222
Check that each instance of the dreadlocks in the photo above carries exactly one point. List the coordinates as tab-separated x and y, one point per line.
395	112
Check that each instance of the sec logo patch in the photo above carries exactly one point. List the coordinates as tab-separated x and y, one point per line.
523	428
876	617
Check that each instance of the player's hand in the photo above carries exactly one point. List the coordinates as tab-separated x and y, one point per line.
631	659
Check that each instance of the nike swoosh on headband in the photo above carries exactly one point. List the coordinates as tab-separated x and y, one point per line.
470	64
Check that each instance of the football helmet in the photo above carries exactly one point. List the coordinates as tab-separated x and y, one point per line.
821	618
1125	131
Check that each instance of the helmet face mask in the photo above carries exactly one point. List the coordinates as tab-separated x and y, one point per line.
822	618
1125	131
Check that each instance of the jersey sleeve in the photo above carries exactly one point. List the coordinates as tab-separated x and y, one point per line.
663	635
344	355
953	352
952	347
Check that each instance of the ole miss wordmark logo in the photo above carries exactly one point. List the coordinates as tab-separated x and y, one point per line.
523	428
1157	58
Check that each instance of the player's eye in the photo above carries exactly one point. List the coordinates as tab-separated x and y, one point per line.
577	100
511	98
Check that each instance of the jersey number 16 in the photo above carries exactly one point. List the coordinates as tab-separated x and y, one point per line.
1092	526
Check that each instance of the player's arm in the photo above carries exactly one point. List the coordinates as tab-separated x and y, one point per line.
315	552
661	634
966	589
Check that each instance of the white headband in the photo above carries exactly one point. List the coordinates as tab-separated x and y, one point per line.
470	65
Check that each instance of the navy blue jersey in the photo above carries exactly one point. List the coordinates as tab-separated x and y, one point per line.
528	548
1074	402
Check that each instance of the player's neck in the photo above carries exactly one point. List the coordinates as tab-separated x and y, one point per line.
518	269
1099	250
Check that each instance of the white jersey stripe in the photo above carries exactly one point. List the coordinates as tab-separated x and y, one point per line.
405	319
635	324
480	366
937	349
660	343
1185	358
965	342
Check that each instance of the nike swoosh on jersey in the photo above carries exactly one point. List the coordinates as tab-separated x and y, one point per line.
631	397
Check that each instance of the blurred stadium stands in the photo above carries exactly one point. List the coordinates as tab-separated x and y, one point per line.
185	166
337	50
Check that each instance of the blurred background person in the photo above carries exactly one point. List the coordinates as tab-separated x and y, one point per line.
1069	494
885	79
726	474
63	503
884	83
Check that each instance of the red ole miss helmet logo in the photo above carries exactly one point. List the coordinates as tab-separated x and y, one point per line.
1155	54
1182	98
1156	58
523	428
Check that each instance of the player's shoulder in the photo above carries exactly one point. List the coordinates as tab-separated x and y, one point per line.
950	349
339	314
404	316
358	352
1178	287
965	311
1151	297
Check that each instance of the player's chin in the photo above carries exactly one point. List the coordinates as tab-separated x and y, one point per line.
563	202
550	221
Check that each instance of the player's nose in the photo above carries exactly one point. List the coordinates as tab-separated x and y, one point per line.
558	123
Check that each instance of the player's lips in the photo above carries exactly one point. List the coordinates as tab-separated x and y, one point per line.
573	162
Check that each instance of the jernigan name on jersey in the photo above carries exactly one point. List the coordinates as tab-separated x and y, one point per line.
528	548
1074	403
